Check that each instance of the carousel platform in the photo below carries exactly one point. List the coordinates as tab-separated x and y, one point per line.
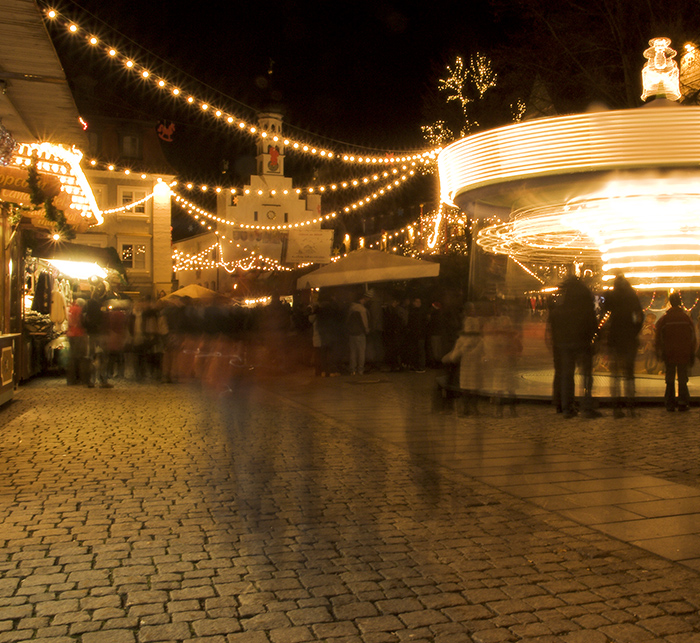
536	384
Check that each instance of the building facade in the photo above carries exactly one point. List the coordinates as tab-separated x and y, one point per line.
268	225
136	205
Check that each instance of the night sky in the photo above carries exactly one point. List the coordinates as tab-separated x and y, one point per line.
356	73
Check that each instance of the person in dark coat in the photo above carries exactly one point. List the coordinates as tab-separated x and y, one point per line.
573	327
625	320
675	345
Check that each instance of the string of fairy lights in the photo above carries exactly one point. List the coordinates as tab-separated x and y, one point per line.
411	230
161	84
480	73
184	262
198	211
426	157
408	171
410	164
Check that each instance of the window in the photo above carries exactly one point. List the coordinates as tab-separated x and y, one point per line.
131	146
94	143
134	255
131	195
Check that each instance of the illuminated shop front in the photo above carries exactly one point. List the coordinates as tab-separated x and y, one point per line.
45	197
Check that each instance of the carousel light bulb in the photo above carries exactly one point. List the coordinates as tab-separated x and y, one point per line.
176	91
112	52
73	28
93	40
129	63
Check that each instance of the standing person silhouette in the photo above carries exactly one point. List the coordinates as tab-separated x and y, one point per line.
573	326
623	326
675	345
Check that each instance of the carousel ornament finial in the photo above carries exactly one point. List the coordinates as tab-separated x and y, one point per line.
660	74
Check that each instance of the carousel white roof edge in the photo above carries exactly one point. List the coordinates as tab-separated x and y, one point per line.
632	139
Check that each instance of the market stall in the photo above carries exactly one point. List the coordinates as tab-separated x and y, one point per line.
61	273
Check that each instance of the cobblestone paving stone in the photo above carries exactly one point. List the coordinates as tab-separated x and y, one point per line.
295	511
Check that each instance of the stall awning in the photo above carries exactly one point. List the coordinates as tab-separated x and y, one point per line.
62	250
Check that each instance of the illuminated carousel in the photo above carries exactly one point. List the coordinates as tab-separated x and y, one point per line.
613	190
610	191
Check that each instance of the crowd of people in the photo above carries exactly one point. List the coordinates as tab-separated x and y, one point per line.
374	333
180	339
176	339
576	331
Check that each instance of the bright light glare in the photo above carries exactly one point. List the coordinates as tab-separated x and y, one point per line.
78	269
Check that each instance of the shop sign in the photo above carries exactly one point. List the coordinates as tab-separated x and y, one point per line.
17	179
309	246
15	196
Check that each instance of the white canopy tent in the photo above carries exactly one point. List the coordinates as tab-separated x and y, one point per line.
368	266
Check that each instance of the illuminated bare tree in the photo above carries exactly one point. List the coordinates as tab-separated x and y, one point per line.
482	74
437	134
463	85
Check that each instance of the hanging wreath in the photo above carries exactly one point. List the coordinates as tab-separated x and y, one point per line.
39	199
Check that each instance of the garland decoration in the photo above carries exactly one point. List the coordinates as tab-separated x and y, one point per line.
39	199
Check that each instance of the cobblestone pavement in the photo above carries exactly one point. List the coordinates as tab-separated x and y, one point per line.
298	509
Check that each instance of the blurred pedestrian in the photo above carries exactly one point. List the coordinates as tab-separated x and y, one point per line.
117	326
417	335
144	330
647	347
357	325
436	334
95	322
394	319
468	352
675	345
502	348
625	320
323	319
77	342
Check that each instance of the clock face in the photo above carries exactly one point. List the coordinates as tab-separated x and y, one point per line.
271	214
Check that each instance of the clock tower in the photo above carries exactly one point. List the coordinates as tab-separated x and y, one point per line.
270	158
